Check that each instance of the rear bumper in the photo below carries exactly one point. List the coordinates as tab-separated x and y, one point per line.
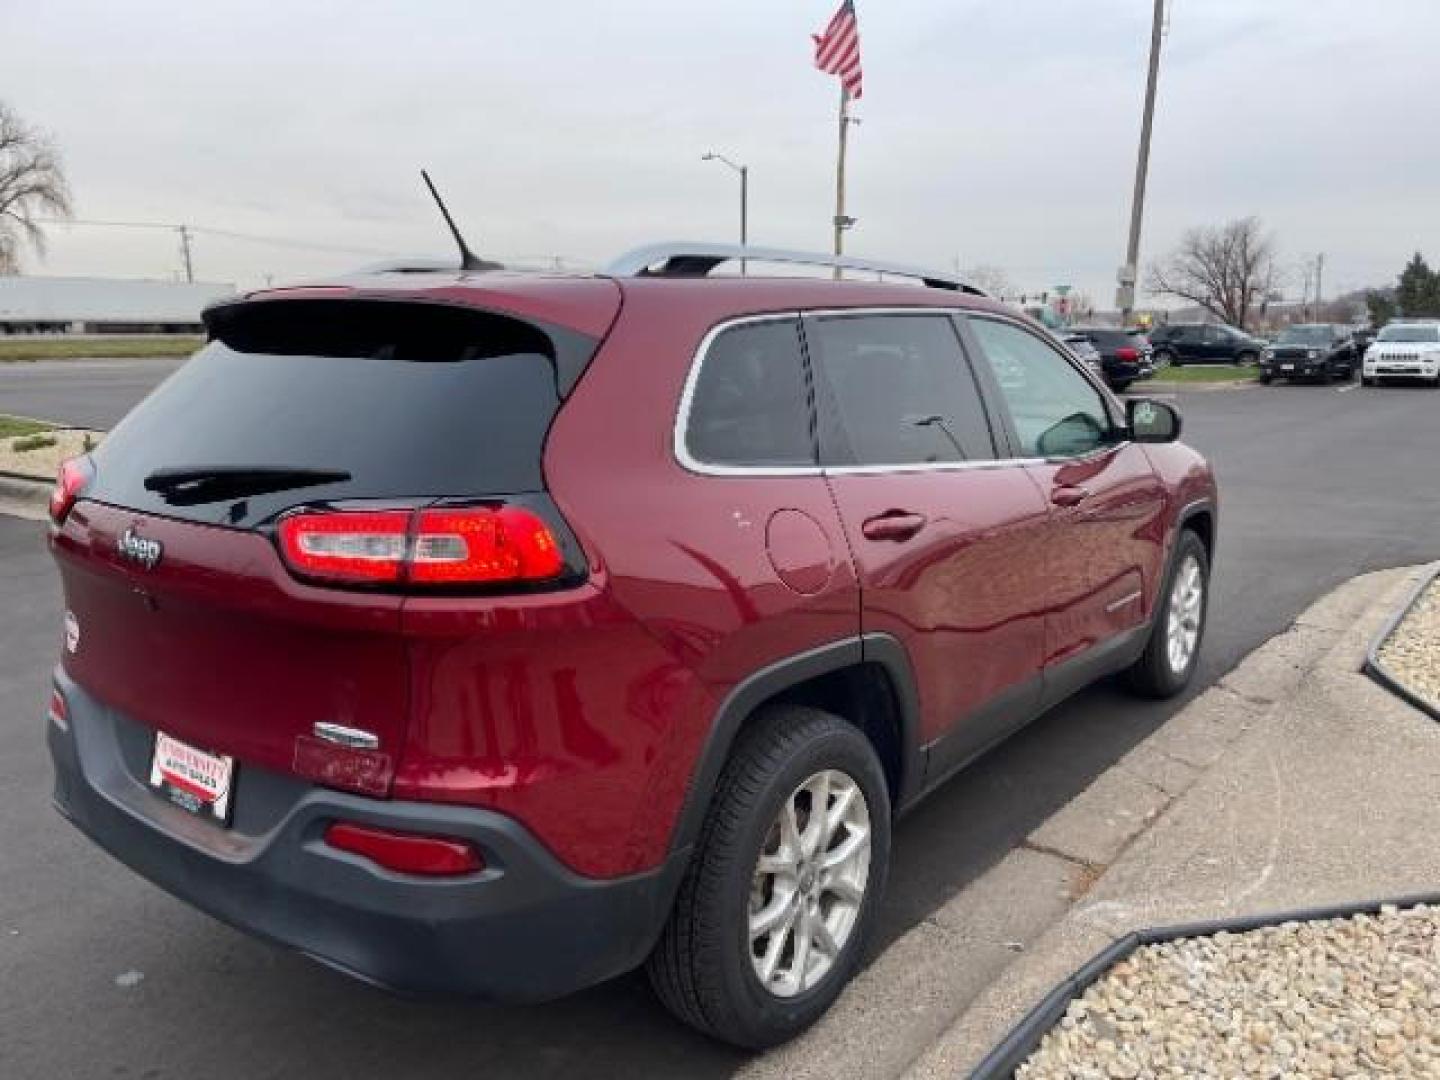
525	928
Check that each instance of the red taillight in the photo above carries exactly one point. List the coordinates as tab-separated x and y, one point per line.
407	853
58	711
434	547
74	474
509	544
1127	353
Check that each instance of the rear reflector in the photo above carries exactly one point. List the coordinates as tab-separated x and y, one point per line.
58	711
406	853
435	547
74	474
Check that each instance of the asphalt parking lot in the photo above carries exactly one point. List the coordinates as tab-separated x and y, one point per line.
106	976
79	393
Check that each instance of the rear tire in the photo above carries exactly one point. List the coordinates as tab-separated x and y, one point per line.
710	965
1170	657
1266	380
1164	358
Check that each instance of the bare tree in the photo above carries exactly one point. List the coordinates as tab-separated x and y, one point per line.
992	279
32	185
1227	270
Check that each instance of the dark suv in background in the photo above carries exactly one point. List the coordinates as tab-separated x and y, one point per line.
500	633
1125	355
1322	351
1203	343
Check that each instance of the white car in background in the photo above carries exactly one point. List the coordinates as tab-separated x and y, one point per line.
1404	349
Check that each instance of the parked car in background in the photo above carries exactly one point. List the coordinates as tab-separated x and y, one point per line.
1125	355
1404	349
500	633
1203	343
1310	351
1084	351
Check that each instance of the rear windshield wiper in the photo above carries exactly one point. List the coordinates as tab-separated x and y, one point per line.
192	485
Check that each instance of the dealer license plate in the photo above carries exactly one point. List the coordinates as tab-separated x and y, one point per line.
1287	367
194	779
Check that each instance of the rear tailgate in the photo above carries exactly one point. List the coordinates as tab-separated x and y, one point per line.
391	406
219	646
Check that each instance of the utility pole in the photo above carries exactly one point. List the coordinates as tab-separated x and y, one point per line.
185	253
1129	272
1319	280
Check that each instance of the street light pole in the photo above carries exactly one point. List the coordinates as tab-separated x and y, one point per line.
744	172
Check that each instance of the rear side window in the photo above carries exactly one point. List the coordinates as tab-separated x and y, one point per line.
901	391
411	400
750	406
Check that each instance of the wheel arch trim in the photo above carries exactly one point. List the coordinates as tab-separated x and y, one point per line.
785	674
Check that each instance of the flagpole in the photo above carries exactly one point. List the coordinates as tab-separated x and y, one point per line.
840	177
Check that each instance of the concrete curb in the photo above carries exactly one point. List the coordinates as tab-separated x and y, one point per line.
1383	675
1098	829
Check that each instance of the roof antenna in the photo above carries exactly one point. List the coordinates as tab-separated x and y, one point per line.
469	261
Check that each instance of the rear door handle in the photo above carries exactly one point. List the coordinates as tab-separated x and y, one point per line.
896	525
1069	495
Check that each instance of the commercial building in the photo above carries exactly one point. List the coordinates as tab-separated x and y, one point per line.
30	305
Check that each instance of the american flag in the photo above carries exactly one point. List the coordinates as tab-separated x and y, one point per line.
837	50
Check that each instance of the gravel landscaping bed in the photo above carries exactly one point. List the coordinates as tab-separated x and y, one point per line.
1411	654
40	454
1353	997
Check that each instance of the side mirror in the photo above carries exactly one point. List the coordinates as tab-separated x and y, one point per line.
1152	421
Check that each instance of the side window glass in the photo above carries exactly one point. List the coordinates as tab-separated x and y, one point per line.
901	391
750	406
1055	410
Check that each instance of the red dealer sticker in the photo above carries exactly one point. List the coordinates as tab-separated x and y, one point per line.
194	779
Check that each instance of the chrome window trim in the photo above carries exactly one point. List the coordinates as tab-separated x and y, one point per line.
692	377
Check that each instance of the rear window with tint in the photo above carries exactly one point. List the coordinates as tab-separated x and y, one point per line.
750	407
1116	339
412	400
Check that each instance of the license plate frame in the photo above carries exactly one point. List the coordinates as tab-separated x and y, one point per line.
199	781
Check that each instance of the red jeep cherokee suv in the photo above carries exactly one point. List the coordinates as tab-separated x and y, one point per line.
500	633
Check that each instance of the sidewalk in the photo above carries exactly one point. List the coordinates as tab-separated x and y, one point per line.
1295	782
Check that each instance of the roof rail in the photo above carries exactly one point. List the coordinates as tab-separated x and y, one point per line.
679	259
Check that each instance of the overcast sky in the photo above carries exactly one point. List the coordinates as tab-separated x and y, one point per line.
996	132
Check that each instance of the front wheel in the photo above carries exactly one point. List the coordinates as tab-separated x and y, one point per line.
782	891
1246	358
1168	662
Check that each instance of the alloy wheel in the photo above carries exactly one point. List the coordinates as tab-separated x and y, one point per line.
1187	608
809	882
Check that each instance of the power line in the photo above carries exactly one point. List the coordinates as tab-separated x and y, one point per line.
227	234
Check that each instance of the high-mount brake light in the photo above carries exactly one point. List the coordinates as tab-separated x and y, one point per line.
74	474
450	546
